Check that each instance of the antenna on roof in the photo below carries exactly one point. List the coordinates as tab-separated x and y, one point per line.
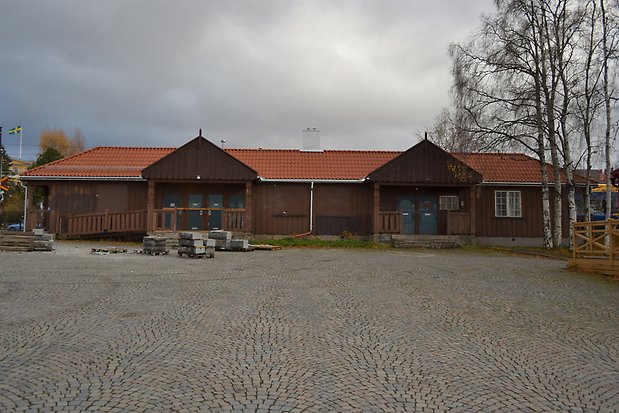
426	136
222	143
200	133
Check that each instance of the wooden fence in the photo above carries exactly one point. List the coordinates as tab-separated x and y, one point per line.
595	246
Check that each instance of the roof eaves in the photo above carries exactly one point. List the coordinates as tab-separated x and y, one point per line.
315	180
81	178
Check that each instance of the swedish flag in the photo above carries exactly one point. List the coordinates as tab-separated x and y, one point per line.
15	131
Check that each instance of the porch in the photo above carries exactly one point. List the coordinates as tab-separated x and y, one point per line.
131	222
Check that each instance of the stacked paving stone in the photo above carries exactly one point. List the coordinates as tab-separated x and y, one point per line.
43	241
155	245
222	239
193	244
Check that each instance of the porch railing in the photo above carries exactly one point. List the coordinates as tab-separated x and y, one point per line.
101	223
389	222
167	219
595	247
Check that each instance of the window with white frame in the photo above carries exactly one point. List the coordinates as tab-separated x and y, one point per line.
449	203
507	204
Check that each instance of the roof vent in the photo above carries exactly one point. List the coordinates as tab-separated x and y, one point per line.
311	140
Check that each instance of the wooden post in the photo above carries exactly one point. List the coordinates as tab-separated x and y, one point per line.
150	207
376	209
248	207
472	207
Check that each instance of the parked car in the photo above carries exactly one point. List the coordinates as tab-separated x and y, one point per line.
14	227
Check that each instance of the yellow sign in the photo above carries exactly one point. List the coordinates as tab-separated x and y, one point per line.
602	188
3	185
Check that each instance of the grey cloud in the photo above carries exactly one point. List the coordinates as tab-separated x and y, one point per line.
150	73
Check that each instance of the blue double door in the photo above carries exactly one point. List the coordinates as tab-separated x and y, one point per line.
419	214
195	219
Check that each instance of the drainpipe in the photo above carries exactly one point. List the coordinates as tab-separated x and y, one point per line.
311	213
25	205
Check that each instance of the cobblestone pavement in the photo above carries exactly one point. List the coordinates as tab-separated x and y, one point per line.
304	331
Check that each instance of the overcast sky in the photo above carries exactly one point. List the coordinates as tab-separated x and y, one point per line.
370	74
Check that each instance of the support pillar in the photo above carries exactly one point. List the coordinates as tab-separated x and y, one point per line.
150	207
472	209
248	207
376	214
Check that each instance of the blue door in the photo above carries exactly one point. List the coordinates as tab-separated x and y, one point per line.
428	214
214	219
194	218
171	201
407	207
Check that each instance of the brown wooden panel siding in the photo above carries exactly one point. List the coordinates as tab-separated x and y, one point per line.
73	198
281	209
428	164
342	207
90	197
529	225
199	158
531	222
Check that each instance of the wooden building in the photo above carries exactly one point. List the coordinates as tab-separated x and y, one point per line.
424	191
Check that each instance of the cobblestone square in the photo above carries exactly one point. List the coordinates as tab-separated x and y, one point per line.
304	330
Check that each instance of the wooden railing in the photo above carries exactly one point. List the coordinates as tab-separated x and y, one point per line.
389	222
597	238
167	219
458	223
102	223
595	247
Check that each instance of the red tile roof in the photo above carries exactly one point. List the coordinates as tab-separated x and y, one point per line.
103	161
508	167
328	165
128	162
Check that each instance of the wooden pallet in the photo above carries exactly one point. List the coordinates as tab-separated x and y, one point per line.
16	241
198	255
265	247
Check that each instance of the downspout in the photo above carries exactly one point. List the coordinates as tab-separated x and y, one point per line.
311	217
311	214
25	205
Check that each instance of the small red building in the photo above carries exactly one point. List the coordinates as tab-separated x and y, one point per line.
490	198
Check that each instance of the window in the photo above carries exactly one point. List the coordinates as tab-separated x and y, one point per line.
507	204
449	203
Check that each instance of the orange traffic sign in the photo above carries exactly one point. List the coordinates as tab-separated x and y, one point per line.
3	185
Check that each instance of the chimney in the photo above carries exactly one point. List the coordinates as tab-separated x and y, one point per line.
311	140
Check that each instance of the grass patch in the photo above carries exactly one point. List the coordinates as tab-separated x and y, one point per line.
320	243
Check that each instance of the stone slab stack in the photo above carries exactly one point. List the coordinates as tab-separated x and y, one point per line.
193	244
43	241
222	239
155	245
